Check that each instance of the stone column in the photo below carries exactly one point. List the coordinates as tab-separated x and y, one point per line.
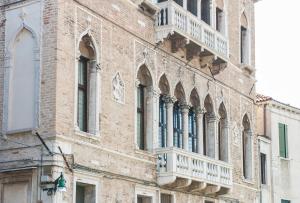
149	101
170	105
185	118
211	136
93	114
224	142
199	117
155	118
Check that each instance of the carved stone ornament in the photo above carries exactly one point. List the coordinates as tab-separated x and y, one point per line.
118	89
235	133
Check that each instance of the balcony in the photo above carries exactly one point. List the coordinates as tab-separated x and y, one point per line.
188	31
191	172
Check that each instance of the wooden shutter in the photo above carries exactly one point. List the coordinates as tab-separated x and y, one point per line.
282	140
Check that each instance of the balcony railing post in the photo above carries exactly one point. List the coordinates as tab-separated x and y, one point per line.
171	14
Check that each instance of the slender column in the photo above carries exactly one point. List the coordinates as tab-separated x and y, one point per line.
155	120
185	114
200	144
211	138
224	142
185	4
149	118
93	123
170	104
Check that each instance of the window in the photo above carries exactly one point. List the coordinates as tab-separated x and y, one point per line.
192	6
177	123
82	94
141	117
87	104
263	168
85	193
166	198
144	109
205	11
192	131
285	201
144	199
162	122
283	142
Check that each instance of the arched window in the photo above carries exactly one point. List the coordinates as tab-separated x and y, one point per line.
143	108
209	125
205	11
223	133
193	121
87	87
247	148
244	41
178	116
22	78
165	91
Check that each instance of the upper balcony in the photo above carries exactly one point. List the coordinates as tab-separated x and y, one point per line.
187	30
192	172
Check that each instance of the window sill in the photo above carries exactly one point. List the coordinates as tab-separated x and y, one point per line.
144	153
248	181
285	159
25	130
87	135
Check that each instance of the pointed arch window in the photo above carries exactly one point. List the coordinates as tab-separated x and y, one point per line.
178	127
87	104
247	148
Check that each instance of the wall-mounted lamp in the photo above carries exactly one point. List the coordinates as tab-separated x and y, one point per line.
57	185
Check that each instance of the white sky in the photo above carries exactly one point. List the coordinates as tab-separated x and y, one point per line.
278	49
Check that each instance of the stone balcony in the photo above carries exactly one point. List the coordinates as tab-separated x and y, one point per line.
192	172
185	30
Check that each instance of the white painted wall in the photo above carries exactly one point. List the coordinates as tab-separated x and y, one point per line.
285	172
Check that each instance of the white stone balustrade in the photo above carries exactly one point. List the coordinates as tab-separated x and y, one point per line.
174	18
178	163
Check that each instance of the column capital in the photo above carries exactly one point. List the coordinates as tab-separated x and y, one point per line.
184	107
137	82
168	99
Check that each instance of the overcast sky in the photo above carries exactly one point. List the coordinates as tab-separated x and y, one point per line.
278	49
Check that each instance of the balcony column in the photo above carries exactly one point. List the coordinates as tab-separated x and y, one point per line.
170	104
199	9
211	138
185	118
199	117
185	4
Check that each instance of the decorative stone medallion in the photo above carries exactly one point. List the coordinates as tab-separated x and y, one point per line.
118	89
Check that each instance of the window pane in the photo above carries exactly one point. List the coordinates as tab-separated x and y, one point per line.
192	6
140	117
165	198
82	110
